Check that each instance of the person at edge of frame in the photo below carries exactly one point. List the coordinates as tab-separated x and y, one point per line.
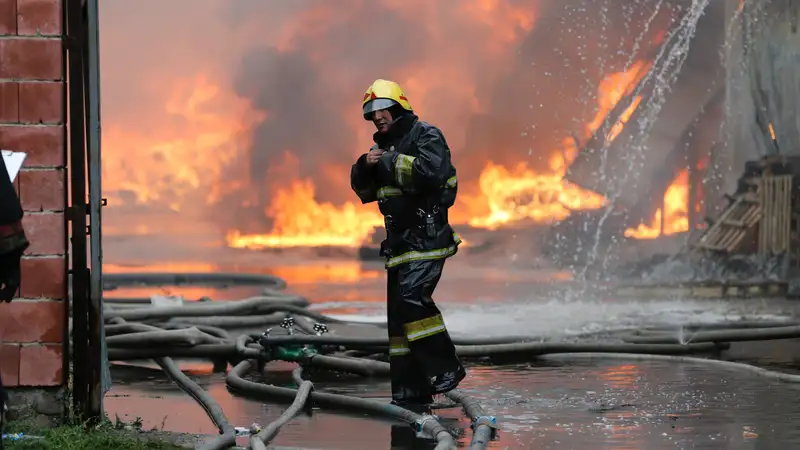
410	174
12	244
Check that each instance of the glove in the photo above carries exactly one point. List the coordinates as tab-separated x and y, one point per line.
10	275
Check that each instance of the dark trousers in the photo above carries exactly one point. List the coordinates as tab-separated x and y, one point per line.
419	344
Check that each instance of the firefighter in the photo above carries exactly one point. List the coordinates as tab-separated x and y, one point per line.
12	244
410	174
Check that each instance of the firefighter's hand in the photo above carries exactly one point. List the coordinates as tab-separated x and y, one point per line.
10	275
373	156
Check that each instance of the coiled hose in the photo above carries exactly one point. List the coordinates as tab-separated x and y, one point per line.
227	436
235	380
112	281
259	441
194	330
729	335
254	305
523	349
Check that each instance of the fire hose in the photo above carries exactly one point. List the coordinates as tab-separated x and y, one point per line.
260	440
730	335
112	281
312	347
483	426
227	436
428	424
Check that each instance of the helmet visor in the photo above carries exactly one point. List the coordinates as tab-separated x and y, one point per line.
378	104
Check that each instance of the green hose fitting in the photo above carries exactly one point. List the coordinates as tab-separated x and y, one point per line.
293	353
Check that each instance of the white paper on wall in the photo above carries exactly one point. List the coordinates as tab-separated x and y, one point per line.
13	162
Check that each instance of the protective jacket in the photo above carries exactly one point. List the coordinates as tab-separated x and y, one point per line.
415	184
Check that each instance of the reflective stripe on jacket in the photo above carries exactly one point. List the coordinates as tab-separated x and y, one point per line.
414	175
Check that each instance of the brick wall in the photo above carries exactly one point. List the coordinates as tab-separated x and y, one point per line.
32	328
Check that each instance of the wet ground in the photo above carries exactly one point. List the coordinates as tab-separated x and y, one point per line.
537	406
673	406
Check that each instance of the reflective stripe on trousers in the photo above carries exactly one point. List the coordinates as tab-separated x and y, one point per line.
423	255
419	329
398	346
423	328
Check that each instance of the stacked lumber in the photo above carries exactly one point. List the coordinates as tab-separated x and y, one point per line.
761	216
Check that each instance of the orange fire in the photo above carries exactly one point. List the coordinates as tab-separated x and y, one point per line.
206	130
520	194
504	195
299	220
611	91
213	131
675	214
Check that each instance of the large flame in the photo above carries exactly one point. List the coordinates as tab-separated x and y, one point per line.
209	131
614	89
181	161
519	194
675	214
206	129
505	195
299	220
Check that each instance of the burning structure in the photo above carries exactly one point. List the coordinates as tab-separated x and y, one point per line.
558	113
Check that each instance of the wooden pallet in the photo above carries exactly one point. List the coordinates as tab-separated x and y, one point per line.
727	233
775	227
705	290
762	217
759	216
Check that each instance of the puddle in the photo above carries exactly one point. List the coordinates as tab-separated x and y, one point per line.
672	406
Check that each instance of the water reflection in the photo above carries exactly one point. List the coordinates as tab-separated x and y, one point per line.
320	281
319	271
341	272
342	281
622	376
405	438
162	266
537	406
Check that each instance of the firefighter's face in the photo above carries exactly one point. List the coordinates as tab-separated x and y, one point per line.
382	119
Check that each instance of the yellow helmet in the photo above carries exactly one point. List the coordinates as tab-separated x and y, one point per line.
384	94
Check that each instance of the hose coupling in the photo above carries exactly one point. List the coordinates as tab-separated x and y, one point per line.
292	353
320	328
288	325
489	421
419	424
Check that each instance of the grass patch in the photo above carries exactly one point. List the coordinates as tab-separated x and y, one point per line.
106	436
